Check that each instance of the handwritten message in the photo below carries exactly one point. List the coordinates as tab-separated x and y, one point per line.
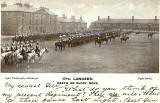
77	89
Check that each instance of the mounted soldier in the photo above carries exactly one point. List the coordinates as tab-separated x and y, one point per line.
106	36
60	39
37	50
16	47
98	40
98	36
12	47
30	44
72	37
7	49
23	53
2	51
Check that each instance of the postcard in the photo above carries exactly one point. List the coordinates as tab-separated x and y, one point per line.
79	51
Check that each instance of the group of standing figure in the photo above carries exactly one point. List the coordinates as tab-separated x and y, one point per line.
19	51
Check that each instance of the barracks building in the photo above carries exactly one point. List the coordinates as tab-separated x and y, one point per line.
24	19
105	24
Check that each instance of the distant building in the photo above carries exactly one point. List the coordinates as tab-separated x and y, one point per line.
25	19
105	24
71	24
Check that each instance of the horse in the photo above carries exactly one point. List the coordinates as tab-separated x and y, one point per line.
7	59
113	37
59	45
68	42
40	54
15	39
98	41
150	35
86	40
105	39
125	38
24	55
75	42
32	55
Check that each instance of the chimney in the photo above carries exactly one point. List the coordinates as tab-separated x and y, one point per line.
73	17
81	18
3	5
64	16
108	18
132	18
19	4
155	17
27	5
45	8
98	18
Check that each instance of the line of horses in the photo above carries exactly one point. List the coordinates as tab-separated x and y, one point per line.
97	38
74	41
86	38
111	36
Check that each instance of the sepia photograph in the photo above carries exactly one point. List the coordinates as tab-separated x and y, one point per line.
79	36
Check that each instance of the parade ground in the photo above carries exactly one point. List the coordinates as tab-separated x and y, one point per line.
139	54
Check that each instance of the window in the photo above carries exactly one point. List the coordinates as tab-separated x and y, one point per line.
36	28
22	28
3	14
36	21
3	28
29	27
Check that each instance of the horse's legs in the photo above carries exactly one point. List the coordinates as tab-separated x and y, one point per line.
95	42
7	60
114	38
61	47
99	44
64	47
10	60
56	47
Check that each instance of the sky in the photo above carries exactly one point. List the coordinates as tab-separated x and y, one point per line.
91	9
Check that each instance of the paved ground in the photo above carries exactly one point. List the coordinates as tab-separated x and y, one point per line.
138	55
